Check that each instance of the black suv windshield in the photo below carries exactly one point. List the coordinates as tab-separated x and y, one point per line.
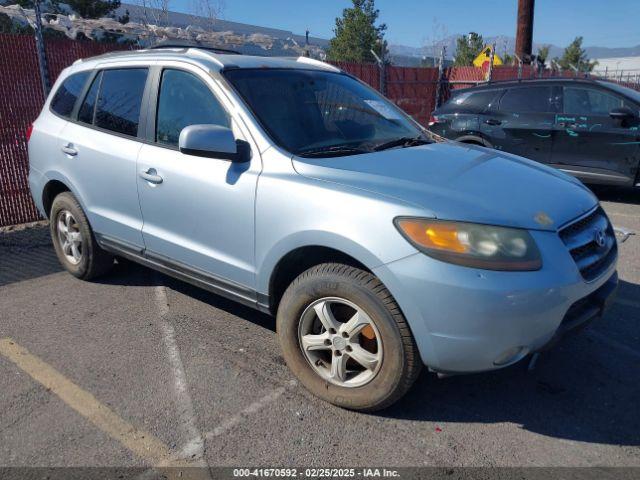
313	113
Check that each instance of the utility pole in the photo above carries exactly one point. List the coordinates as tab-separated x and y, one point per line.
42	59
524	31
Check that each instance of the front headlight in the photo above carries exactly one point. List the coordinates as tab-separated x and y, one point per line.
472	244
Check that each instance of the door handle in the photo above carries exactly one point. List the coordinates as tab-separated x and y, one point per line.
69	150
567	125
492	121
151	175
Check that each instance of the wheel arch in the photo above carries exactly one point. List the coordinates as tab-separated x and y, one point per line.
300	259
51	190
293	254
474	139
54	184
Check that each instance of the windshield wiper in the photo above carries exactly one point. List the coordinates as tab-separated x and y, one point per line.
334	151
402	142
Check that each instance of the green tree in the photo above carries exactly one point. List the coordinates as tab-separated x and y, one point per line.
468	47
92	8
356	34
575	56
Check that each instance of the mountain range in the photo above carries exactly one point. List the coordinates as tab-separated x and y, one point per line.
506	44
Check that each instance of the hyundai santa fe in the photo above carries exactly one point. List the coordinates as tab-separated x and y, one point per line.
588	128
290	186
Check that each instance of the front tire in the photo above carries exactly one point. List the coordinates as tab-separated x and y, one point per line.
345	338
73	239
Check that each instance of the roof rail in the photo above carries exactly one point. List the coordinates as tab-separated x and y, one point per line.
191	44
318	63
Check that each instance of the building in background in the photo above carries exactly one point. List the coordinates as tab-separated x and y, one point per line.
624	68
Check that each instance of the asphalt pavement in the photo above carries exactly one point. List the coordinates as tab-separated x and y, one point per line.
137	369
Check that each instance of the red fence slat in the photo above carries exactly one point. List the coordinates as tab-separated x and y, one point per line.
21	98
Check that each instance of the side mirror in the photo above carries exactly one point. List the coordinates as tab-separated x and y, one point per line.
622	113
213	141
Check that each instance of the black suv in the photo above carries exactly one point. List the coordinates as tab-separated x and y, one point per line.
588	128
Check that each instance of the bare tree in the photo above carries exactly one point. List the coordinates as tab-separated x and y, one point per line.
433	43
206	12
156	12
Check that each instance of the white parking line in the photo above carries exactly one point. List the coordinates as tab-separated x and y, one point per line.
255	407
195	444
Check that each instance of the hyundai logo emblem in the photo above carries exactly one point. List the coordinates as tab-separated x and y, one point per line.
600	237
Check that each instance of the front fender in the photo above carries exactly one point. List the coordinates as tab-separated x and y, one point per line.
311	238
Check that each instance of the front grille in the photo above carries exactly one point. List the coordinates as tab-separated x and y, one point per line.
580	237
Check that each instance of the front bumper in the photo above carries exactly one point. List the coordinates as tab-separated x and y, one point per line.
470	320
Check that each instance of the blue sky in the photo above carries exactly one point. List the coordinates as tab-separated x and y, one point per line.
606	23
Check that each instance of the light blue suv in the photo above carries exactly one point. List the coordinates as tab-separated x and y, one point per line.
290	186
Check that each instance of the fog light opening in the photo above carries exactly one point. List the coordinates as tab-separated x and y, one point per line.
511	355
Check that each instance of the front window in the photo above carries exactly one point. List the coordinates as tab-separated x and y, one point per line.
588	101
310	112
185	100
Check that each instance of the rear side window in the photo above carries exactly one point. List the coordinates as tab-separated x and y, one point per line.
528	100
120	99
185	100
66	96
87	109
470	102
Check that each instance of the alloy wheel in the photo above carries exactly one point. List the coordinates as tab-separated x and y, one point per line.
340	342
69	237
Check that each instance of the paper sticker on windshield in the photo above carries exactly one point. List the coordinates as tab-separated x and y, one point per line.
383	109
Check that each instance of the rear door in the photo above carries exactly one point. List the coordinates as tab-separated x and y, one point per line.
523	122
589	143
458	119
101	147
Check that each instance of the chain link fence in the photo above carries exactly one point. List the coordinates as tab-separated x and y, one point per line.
416	90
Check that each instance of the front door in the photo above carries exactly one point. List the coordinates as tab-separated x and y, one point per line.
523	122
199	212
591	144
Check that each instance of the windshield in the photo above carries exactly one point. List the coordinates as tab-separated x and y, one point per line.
308	112
628	92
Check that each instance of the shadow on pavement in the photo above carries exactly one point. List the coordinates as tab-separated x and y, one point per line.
129	273
582	390
26	254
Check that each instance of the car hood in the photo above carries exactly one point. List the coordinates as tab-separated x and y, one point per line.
459	182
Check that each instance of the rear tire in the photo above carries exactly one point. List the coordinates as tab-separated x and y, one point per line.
393	362
73	239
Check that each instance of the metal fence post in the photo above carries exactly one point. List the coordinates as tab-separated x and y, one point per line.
519	67
440	76
42	59
491	60
381	70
